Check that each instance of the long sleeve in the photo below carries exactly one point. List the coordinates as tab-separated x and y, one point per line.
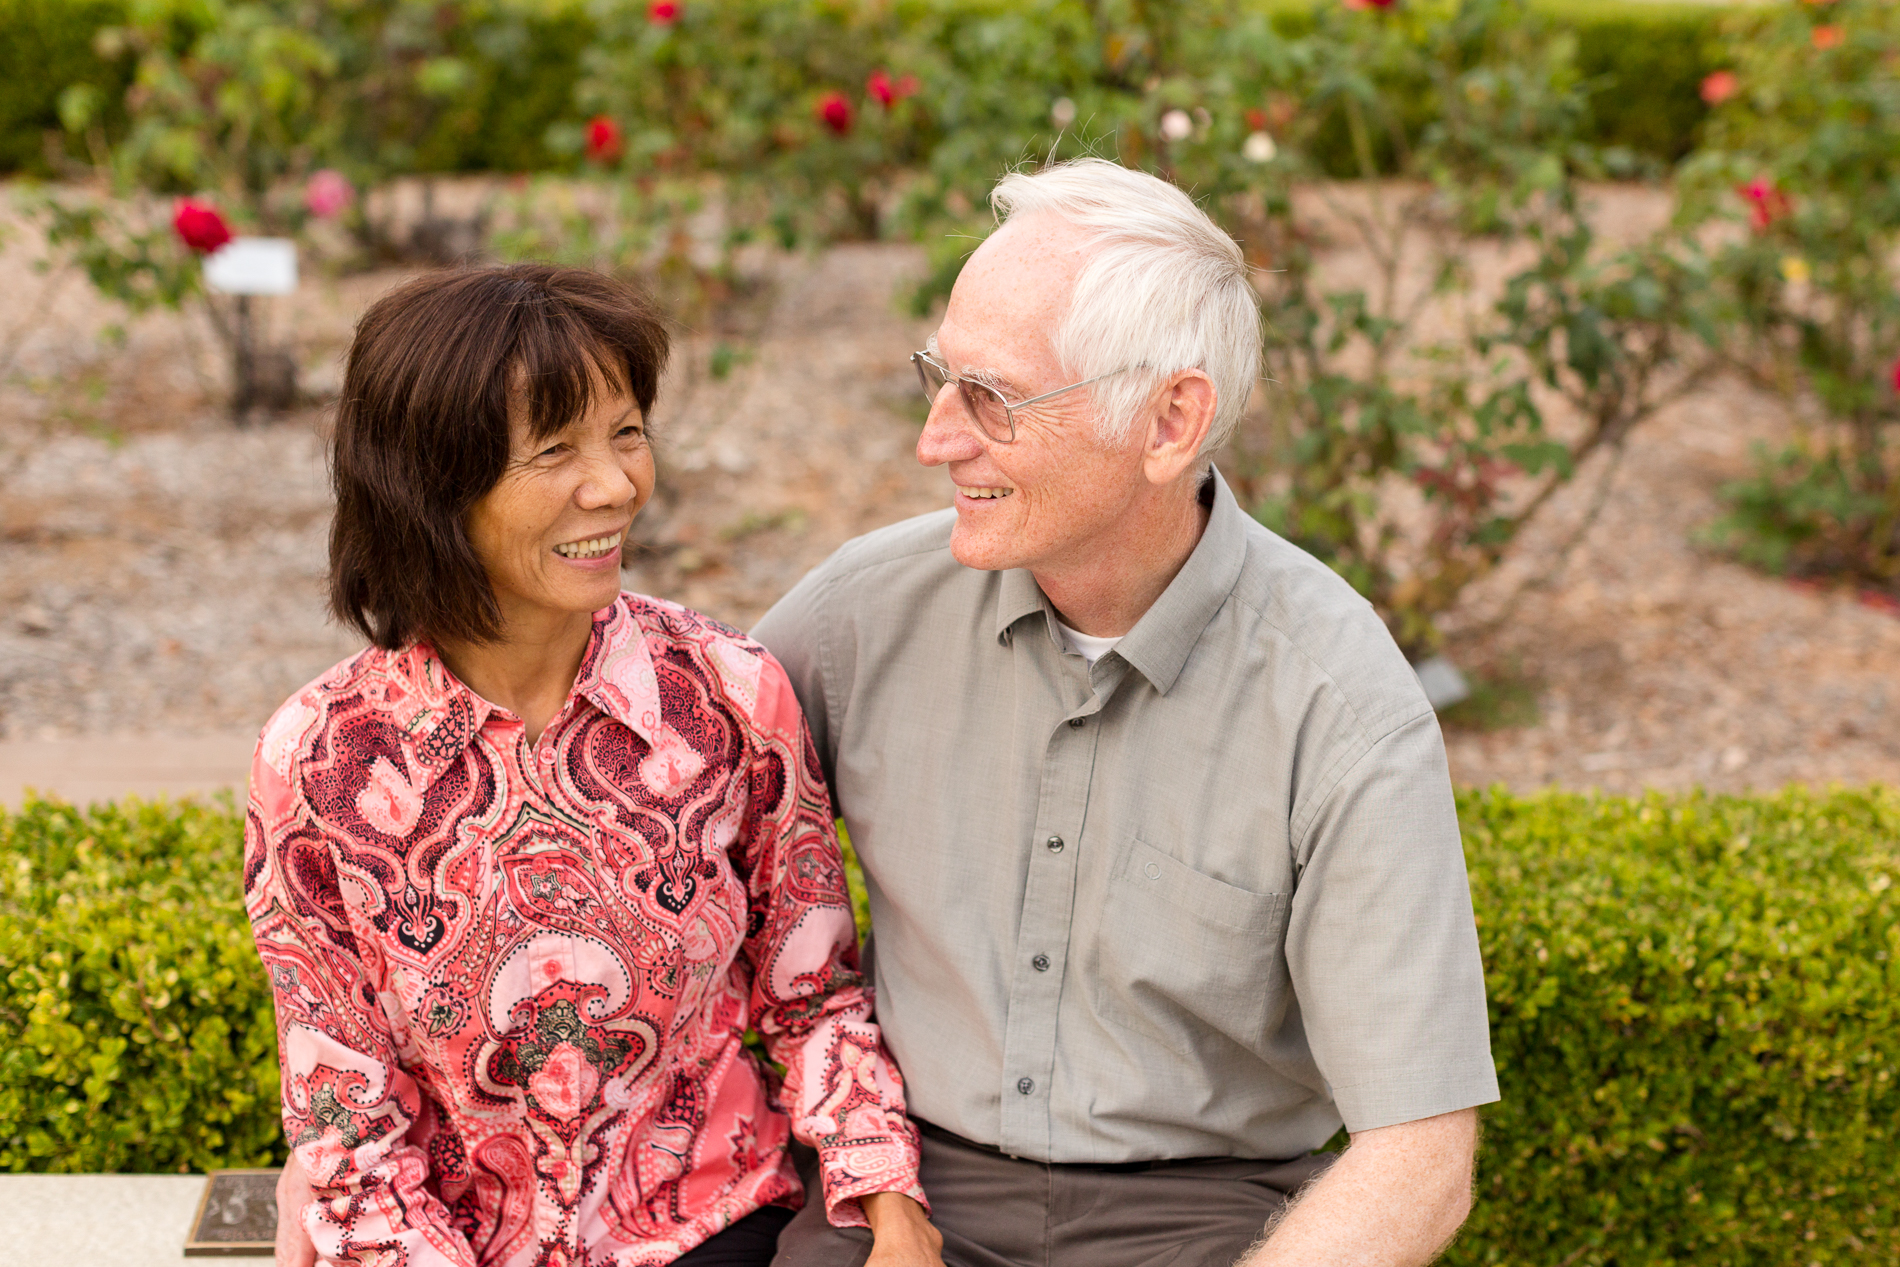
348	1106
809	1001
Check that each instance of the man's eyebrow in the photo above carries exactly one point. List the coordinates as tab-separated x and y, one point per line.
976	373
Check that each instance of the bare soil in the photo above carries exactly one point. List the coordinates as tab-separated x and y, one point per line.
161	570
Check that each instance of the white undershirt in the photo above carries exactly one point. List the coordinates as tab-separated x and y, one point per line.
1091	649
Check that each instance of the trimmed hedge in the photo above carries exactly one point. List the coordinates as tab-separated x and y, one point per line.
1648	57
139	1034
1694	1006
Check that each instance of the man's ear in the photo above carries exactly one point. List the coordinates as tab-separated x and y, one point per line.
1181	413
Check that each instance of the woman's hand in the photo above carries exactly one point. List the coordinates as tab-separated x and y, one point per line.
901	1233
293	1194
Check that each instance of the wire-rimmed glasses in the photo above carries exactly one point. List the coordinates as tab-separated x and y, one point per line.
987	407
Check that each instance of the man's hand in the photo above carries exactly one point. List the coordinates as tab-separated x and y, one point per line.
901	1233
1395	1198
293	1194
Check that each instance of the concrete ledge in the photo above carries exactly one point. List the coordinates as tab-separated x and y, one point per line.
99	1220
86	770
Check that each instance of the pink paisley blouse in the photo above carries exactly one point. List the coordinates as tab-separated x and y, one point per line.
512	980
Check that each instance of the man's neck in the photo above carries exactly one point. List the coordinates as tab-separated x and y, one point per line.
1104	594
530	670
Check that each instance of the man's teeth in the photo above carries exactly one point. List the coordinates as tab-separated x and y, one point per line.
592	548
985	492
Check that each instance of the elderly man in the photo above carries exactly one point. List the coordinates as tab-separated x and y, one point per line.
1166	882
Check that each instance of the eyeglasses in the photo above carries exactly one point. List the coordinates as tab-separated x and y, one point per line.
994	415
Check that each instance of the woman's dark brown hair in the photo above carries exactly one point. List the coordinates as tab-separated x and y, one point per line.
422	430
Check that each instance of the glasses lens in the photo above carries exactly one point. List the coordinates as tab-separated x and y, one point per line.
986	406
931	378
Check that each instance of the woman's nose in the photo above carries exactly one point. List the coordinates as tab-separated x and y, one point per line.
606	483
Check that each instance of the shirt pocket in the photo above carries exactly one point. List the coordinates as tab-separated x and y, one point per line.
1180	953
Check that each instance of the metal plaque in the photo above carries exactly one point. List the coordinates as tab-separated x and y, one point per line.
237	1216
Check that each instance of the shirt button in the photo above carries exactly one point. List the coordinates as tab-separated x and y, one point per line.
1025	1085
1075	723
1054	843
1040	963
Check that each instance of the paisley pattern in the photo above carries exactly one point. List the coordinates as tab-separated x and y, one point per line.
512	981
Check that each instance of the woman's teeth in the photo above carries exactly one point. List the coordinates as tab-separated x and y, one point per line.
592	548
985	492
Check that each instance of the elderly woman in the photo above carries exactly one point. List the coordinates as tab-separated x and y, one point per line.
526	870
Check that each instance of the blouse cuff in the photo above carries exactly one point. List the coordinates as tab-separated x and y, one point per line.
864	1166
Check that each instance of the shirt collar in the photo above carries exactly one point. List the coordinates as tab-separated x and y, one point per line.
1159	644
440	716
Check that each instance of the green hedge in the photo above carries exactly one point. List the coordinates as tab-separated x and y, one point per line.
138	1025
1694	1006
1649	59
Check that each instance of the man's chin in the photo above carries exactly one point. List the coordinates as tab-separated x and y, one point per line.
982	551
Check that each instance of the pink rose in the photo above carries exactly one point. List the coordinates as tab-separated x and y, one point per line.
663	12
887	91
1719	87
199	225
565	1086
327	193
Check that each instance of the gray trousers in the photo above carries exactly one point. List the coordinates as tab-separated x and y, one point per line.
997	1211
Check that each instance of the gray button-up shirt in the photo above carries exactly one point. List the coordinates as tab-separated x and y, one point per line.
1207	898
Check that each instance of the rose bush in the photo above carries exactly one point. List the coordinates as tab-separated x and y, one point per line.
1802	163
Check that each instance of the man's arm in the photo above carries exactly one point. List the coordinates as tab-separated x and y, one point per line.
1395	1198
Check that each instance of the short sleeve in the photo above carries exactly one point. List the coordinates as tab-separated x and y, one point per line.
796	634
1381	943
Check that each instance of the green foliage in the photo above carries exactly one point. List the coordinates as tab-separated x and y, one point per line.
1804	162
46	46
1643	63
138	1019
1693	1005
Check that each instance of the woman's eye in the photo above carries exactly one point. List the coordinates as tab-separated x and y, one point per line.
628	433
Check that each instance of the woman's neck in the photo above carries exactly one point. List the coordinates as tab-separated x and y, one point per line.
529	670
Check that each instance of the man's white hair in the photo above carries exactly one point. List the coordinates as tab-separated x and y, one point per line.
1164	289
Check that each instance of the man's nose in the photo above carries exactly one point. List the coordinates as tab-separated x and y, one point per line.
949	433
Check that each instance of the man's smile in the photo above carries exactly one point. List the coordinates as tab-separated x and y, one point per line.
983	493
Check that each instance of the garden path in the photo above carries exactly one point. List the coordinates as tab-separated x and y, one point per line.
160	572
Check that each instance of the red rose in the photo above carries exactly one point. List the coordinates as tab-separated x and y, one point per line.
1719	87
835	112
1256	120
1895	375
1766	202
887	91
1370	4
663	12
199	226
1826	37
603	139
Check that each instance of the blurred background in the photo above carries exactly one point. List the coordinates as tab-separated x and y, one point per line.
1582	358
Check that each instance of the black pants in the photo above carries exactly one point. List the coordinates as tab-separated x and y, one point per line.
750	1242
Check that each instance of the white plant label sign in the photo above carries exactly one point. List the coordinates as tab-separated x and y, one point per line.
253	266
